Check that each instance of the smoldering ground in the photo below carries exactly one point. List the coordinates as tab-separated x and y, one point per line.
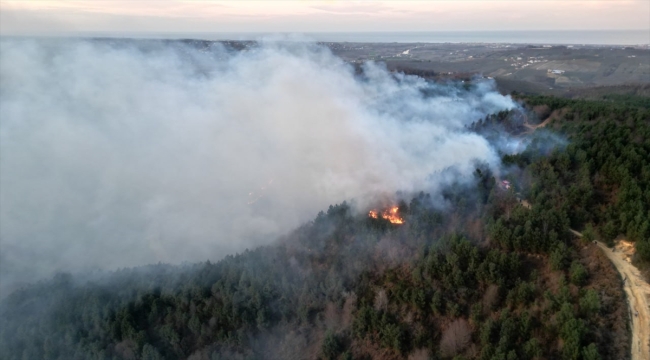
118	153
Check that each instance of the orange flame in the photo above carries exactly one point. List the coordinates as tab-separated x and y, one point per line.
390	214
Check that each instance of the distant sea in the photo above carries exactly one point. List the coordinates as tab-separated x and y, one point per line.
575	37
602	37
546	37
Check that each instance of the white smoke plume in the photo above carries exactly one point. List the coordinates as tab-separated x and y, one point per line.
124	153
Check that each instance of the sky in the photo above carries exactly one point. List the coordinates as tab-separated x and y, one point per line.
55	17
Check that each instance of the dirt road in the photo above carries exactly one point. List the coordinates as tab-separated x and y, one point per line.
638	296
541	125
531	128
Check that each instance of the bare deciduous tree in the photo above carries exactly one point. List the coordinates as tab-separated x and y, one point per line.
490	298
381	300
420	354
456	338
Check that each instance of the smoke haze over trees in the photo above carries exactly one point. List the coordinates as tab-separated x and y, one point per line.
120	153
208	151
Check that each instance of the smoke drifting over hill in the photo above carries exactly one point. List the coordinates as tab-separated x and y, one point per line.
124	153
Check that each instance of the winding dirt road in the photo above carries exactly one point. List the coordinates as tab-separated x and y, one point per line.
534	127
637	292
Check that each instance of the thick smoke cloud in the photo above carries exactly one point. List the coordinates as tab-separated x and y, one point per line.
126	153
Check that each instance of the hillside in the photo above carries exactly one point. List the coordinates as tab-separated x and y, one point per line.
535	69
473	274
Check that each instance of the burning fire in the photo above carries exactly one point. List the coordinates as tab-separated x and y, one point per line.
389	214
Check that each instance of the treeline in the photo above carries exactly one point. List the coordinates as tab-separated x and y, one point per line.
494	125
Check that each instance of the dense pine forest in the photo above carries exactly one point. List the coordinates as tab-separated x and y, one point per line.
483	271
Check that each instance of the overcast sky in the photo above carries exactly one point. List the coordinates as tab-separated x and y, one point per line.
29	17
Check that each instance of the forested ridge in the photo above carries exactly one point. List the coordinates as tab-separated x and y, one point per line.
474	274
604	174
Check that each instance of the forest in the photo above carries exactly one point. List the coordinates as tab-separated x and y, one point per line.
482	272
